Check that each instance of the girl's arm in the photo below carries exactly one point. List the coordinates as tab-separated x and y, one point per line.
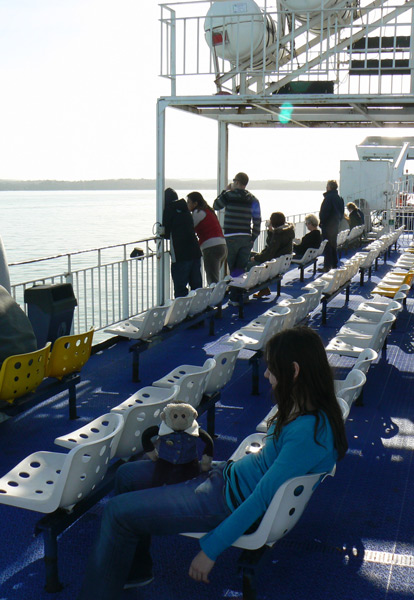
299	454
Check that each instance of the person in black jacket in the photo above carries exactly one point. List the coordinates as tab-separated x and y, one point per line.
184	248
312	239
355	215
330	215
279	241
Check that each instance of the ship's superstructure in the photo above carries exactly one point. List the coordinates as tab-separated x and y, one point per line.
289	63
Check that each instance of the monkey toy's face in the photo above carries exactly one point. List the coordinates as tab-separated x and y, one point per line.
179	417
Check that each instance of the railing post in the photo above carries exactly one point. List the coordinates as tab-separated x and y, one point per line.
125	287
69	279
173	54
163	290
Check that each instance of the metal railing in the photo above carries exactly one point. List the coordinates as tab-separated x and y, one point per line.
109	285
364	48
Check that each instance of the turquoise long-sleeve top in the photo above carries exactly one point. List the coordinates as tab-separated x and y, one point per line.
252	481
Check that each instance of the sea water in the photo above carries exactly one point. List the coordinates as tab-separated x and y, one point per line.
39	224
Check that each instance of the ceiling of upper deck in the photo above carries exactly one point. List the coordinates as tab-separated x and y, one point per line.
296	110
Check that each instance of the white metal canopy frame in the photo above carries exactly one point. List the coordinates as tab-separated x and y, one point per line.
297	63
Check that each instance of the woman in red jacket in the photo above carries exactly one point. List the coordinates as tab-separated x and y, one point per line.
210	236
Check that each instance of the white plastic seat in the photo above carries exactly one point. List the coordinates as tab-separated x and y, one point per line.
264	273
285	262
353	345
345	408
259	323
224	368
191	380
200	301
321	248
310	254
274	265
282	309
342	237
45	481
178	309
262	426
193	385
334	280
218	377
95	430
319	284
313	297
142	327
296	307
350	388
371	314
359	328
364	360
249	279
218	291
303	309
256	339
368	259
286	507
141	411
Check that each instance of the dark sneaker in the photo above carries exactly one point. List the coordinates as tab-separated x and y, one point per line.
140	582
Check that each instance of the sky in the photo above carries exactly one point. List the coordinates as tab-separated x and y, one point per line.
79	85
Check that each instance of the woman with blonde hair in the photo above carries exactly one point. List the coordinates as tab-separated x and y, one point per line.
313	239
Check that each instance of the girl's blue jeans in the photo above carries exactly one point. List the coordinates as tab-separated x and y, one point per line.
138	511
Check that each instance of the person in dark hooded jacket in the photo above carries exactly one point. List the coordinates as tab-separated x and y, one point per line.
279	241
184	248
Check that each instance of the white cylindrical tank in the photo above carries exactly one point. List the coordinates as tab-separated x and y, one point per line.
311	9
237	29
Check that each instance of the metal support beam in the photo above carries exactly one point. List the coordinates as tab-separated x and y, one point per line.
162	292
222	164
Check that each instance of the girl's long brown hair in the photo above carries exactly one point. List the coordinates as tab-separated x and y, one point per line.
312	390
197	198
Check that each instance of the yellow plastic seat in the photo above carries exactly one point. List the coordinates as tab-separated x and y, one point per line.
23	373
69	354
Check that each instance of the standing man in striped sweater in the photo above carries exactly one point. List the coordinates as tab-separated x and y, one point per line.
241	222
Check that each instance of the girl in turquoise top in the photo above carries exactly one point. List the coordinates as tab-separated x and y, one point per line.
307	435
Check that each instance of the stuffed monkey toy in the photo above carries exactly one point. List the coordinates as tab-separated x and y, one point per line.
176	454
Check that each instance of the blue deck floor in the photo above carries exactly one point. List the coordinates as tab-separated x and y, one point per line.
356	538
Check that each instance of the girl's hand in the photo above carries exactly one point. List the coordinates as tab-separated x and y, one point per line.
201	567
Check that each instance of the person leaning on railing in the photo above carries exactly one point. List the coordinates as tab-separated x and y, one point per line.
210	236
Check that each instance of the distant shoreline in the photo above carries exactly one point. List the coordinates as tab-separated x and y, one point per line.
10	185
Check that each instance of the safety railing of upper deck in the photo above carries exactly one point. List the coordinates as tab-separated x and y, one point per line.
247	47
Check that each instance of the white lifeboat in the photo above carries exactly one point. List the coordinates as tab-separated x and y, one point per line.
236	30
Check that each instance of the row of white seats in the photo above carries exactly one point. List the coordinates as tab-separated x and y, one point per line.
45	481
283	315
347	235
334	279
173	312
262	273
